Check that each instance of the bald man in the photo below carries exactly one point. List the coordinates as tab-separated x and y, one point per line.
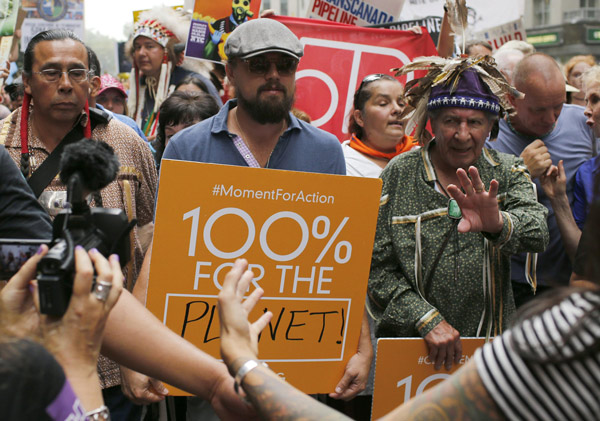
544	131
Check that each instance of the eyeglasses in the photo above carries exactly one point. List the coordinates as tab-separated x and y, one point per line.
54	75
261	65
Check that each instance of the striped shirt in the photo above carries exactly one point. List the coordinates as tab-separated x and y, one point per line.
549	384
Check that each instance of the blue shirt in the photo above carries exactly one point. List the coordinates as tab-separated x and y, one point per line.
301	147
572	141
583	190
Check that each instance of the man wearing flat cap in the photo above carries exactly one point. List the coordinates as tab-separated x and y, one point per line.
258	130
451	215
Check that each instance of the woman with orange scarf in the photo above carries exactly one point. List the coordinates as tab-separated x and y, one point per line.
375	126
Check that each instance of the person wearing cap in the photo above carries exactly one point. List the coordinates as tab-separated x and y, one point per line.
441	260
543	132
257	129
112	95
157	67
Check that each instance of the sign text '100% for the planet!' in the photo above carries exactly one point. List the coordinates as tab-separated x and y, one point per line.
320	229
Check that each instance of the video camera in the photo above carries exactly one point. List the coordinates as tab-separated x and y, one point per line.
86	166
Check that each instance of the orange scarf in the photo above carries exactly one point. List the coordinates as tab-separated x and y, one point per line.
407	143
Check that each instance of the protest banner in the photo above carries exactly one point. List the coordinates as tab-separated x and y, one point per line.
212	22
308	238
433	24
46	15
325	87
483	14
501	34
355	12
403	370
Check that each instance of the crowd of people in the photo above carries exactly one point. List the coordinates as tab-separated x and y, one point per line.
493	199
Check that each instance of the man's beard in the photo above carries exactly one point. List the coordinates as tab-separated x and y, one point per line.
273	110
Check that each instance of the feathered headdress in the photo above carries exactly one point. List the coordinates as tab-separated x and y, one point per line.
167	27
447	73
162	24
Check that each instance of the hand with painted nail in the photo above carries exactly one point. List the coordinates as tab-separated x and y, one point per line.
77	335
75	338
16	298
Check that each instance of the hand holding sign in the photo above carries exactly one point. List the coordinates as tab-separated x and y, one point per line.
239	337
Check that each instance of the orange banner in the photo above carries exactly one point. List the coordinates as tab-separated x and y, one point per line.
308	238
403	370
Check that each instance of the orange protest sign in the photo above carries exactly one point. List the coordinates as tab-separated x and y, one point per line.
403	370
308	238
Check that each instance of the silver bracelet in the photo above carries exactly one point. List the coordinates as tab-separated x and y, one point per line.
246	368
98	414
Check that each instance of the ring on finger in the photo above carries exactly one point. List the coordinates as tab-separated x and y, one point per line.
479	189
101	289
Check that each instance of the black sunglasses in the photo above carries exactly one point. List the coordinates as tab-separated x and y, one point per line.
261	65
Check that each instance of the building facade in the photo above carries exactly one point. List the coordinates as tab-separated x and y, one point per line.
564	28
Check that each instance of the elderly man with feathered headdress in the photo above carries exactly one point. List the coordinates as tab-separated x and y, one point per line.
158	64
451	215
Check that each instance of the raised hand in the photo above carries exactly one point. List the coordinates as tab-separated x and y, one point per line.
536	158
480	211
239	337
554	181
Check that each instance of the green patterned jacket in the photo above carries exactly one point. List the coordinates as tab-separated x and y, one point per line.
469	286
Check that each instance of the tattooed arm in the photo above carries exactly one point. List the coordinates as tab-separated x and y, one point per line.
275	399
461	397
272	397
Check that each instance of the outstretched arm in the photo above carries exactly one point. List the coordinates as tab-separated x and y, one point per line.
273	398
463	396
445	46
138	340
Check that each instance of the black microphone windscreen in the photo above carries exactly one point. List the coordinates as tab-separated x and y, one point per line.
94	160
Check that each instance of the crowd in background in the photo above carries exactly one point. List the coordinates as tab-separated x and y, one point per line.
494	204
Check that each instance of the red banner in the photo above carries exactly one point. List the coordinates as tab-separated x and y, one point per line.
336	59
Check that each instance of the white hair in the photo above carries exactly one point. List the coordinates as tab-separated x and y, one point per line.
522	46
506	60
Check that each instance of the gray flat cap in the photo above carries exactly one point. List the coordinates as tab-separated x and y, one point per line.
260	36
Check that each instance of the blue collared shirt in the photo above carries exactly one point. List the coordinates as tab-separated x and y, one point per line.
301	147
